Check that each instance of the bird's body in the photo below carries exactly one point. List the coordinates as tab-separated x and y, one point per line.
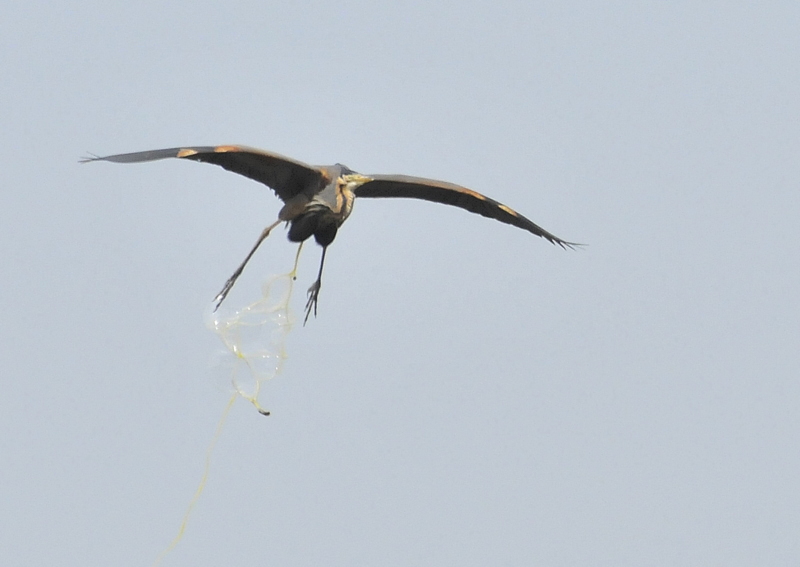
318	199
325	211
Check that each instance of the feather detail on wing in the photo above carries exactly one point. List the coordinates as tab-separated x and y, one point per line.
286	176
404	186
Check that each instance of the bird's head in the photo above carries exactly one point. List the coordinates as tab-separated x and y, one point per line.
352	179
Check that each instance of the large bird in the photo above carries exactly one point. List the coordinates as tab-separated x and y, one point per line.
318	199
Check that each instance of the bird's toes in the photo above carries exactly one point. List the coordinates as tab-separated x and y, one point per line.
311	304
313	291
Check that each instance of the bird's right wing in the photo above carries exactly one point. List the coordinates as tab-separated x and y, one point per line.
451	194
286	176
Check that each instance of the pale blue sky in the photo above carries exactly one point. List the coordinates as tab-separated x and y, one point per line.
469	395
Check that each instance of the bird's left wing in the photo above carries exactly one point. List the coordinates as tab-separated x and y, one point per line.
451	194
286	176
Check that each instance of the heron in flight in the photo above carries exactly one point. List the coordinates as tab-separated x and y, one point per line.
318	199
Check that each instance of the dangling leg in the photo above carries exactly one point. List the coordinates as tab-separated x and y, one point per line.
293	273
313	291
232	280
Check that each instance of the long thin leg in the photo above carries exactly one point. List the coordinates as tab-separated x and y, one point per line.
232	280
293	273
313	291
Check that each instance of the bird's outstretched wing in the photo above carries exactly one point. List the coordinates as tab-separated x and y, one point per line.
451	194
286	176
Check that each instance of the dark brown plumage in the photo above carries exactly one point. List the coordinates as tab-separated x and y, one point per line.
318	199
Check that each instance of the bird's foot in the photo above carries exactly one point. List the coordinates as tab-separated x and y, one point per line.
313	295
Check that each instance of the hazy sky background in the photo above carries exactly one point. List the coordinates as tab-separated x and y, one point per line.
469	395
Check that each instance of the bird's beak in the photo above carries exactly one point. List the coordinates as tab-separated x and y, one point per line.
354	180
